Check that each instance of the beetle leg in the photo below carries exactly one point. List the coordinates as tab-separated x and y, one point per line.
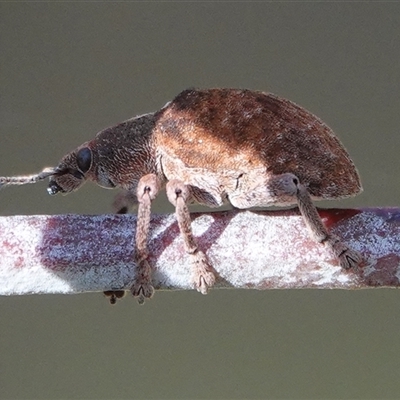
147	190
286	189
348	258
203	274
123	202
114	295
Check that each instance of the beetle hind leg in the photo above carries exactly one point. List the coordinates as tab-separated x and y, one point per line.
347	257
203	273
286	189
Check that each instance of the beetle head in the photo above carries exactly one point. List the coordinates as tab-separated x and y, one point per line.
95	161
72	171
118	156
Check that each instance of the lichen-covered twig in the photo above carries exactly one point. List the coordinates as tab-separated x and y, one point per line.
249	249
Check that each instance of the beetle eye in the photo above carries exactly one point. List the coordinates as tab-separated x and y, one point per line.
84	159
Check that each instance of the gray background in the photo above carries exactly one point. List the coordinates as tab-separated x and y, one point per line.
69	70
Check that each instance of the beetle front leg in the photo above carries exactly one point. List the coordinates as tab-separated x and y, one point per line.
123	202
147	190
203	273
348	258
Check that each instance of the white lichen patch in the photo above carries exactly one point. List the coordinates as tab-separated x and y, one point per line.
377	239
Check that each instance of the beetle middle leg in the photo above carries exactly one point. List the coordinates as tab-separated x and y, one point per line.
203	274
147	190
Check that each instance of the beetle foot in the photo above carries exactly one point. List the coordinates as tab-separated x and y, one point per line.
114	295
142	291
348	258
203	274
142	288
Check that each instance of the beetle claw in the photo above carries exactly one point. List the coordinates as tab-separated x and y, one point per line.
204	276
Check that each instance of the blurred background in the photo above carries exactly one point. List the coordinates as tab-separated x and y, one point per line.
69	70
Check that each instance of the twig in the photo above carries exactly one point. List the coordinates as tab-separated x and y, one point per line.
250	249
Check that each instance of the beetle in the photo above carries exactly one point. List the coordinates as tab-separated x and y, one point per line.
212	146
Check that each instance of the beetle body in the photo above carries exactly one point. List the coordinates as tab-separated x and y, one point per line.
213	146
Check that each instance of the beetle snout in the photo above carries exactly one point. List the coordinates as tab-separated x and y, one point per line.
54	188
65	181
71	173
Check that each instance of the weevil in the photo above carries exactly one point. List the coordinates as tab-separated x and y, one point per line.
247	148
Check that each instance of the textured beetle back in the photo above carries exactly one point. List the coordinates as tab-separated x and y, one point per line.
232	129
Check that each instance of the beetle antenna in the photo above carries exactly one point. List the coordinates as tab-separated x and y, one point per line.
24	179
